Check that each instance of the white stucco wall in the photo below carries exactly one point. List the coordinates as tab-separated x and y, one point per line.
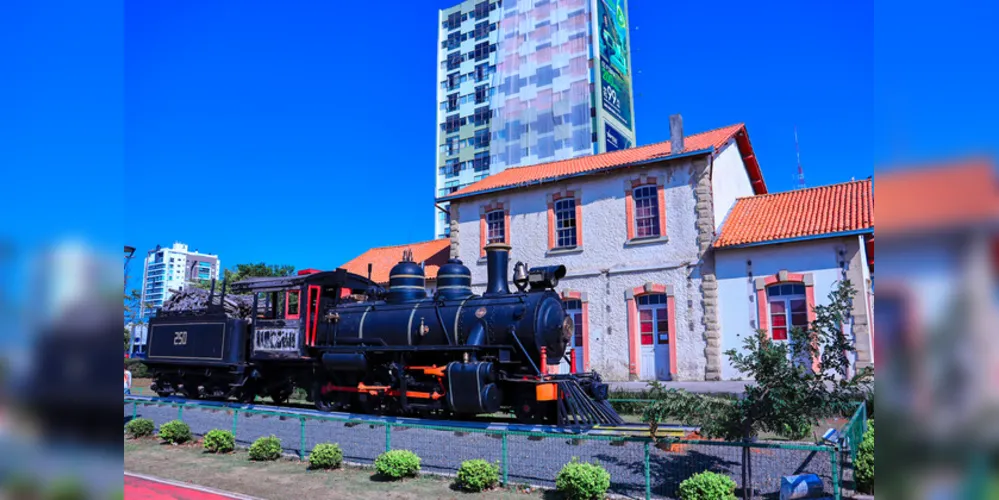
737	292
607	265
729	180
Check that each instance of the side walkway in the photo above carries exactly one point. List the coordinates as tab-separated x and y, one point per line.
719	387
140	487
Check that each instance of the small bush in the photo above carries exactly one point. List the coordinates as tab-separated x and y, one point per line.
266	448
397	464
219	441
137	367
582	481
477	475
863	470
140	427
325	456
175	432
67	488
707	486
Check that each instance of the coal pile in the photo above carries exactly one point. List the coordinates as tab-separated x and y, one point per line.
195	300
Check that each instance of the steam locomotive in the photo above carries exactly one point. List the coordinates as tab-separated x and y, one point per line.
355	346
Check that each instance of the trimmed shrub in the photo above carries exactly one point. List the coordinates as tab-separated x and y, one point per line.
137	367
325	456
140	427
266	448
863	470
397	464
582	481
707	485
477	475
67	488
219	441
175	432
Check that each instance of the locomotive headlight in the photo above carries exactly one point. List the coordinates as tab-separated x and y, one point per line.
568	329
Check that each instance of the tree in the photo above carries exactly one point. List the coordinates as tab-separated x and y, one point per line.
789	397
243	271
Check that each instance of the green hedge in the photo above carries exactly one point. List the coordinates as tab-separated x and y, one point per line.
863	470
175	432
219	441
707	486
326	456
137	367
477	475
582	481
397	464
140	427
266	448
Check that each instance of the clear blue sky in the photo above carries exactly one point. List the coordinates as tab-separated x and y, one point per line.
303	132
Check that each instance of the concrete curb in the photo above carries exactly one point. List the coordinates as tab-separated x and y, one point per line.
190	486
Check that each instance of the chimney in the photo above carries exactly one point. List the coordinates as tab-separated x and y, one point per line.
497	261
676	134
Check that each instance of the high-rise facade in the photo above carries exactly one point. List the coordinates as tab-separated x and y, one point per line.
167	269
529	81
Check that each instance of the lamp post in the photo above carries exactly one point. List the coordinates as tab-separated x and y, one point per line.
129	253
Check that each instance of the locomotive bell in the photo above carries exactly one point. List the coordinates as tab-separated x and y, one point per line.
520	276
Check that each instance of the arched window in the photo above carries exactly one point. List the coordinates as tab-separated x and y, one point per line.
788	308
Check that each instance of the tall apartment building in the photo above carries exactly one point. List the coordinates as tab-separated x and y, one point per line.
168	269
518	84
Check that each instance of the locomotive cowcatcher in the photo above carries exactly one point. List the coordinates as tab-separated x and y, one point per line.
355	346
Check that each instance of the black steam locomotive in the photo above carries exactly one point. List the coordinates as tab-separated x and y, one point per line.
355	346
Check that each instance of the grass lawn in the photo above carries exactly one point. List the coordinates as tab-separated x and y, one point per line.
286	478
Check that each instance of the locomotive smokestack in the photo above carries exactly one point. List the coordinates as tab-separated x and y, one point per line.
497	261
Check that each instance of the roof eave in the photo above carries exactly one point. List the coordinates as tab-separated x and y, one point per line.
686	154
811	237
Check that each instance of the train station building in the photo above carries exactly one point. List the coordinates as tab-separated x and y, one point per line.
657	291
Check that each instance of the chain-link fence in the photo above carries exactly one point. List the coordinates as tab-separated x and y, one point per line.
639	468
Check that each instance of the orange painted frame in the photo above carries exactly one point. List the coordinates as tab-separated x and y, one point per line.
574	295
552	241
763	305
634	336
483	227
629	208
287	304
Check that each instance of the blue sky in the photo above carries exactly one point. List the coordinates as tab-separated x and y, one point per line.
314	123
303	132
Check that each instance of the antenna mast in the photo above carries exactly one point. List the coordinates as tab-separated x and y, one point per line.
797	151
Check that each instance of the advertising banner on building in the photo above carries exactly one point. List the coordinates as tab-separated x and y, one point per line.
615	140
614	72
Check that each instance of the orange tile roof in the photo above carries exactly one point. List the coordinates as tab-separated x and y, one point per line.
533	174
807	212
938	196
433	254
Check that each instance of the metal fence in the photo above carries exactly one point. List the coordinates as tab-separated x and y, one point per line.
853	432
639	468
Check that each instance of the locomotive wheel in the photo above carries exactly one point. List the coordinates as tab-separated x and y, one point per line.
280	396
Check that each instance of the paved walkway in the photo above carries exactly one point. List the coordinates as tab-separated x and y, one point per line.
725	386
139	487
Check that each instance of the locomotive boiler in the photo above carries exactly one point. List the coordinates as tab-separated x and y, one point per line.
355	346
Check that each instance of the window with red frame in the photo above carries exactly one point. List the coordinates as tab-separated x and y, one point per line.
646	211
788	309
565	223
496	227
653	318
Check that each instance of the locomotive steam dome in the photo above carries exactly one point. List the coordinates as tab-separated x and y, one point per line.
454	280
406	281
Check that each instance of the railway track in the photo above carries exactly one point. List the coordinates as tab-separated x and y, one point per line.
292	410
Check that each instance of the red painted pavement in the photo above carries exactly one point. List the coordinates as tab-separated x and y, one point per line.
144	489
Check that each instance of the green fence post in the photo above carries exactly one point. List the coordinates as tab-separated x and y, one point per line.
135	410
180	412
388	437
648	475
301	448
506	464
835	471
235	418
